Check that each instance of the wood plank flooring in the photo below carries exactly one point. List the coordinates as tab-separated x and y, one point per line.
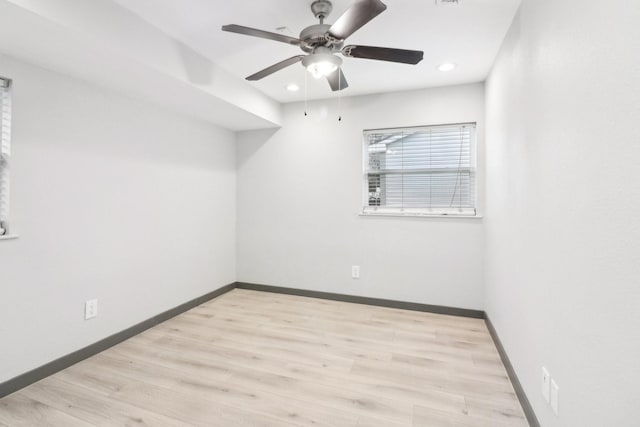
255	359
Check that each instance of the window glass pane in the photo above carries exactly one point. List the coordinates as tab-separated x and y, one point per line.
420	168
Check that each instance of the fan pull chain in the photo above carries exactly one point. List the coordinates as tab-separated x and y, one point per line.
305	92
339	94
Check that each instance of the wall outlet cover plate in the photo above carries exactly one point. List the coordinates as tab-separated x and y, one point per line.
355	271
546	384
90	309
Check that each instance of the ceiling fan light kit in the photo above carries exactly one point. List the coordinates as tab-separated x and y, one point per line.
322	42
321	63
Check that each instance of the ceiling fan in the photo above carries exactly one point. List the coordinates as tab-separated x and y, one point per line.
321	43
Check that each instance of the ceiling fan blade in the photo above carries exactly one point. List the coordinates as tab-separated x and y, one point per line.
275	67
383	54
239	29
355	17
337	80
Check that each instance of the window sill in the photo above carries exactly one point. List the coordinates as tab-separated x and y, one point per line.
9	237
420	215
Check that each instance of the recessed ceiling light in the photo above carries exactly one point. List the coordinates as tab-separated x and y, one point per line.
292	87
447	66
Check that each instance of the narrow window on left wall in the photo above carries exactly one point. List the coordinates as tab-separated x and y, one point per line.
5	153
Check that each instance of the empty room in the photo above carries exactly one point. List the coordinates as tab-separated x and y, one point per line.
331	213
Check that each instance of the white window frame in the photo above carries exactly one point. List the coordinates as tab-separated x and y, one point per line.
422	211
5	156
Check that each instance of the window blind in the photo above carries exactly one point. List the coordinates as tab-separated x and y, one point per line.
423	170
5	152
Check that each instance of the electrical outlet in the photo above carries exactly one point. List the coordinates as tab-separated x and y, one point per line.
90	309
554	396
355	271
546	378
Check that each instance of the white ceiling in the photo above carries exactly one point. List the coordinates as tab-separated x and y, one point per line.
468	35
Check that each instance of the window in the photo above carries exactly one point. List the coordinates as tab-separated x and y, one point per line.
420	171
5	152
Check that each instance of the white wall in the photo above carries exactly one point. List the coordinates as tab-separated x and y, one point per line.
300	192
563	236
113	199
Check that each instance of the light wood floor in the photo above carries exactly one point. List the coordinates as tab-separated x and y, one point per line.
258	359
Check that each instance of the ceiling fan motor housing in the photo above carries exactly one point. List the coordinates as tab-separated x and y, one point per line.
314	36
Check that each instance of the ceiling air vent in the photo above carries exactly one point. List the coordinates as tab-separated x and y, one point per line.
448	2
